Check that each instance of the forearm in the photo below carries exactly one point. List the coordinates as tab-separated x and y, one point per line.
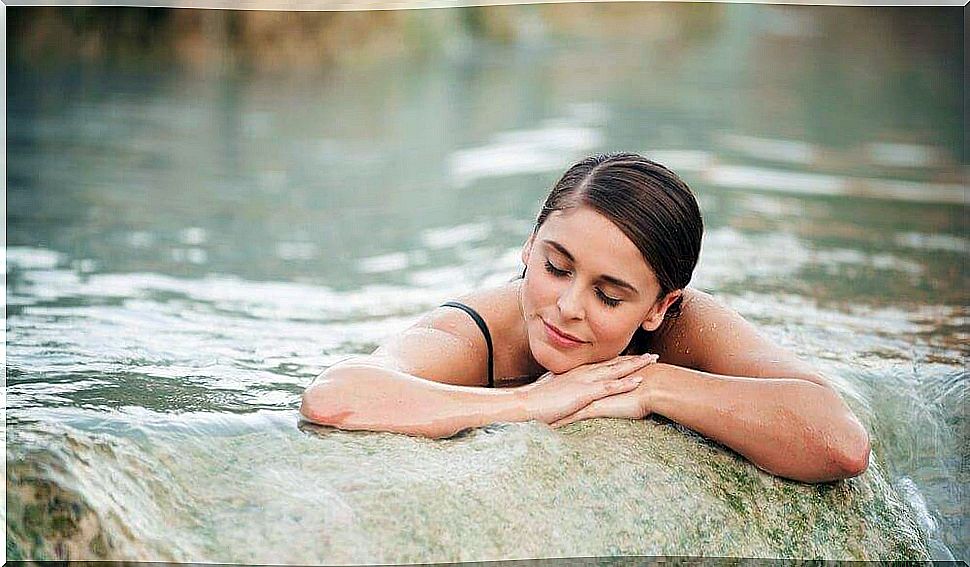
361	396
789	427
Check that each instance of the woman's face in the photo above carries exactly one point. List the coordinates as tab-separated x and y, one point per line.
587	288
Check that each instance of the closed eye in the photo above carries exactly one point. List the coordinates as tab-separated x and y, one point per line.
559	273
554	270
607	300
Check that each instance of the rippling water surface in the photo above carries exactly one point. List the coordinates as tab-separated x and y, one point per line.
185	252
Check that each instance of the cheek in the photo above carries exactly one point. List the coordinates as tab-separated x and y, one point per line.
613	332
538	291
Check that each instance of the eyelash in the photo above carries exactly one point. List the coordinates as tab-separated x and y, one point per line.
607	300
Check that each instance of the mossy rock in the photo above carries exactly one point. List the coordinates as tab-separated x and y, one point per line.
271	493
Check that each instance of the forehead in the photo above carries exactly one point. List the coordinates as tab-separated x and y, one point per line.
597	244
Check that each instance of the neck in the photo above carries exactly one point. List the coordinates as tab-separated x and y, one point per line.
529	363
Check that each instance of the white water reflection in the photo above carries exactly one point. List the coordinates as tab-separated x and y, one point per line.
905	155
447	237
731	257
296	250
773	206
193	235
803	183
553	146
393	262
30	258
772	149
525	151
190	255
275	300
681	161
945	242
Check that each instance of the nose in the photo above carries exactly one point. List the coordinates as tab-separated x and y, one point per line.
571	302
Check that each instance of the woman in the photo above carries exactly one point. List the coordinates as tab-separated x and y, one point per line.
603	317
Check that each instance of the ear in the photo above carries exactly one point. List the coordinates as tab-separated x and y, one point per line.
527	248
659	310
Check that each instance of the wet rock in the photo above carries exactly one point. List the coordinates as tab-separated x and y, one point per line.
263	491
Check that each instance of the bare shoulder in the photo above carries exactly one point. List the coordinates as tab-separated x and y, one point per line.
446	345
710	336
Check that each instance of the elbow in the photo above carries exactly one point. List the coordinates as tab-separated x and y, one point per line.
837	462
431	432
838	454
846	444
354	397
853	458
321	403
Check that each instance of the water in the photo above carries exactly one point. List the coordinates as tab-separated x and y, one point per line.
185	252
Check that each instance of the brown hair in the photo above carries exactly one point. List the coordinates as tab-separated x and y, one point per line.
650	204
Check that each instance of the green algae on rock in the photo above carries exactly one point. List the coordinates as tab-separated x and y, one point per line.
272	493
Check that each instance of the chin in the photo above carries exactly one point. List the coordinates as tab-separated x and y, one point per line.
555	361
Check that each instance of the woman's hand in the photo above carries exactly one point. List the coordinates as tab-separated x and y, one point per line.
633	404
554	397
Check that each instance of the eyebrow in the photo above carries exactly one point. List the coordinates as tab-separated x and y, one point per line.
604	277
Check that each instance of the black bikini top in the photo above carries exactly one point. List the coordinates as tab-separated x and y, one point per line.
483	327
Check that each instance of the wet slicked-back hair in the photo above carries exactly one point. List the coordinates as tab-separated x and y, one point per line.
650	204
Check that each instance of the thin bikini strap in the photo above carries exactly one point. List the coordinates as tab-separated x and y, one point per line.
483	327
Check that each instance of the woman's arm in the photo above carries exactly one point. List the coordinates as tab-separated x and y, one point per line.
787	426
365	395
420	382
724	380
412	387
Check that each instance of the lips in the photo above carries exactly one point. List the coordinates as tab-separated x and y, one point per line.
560	337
